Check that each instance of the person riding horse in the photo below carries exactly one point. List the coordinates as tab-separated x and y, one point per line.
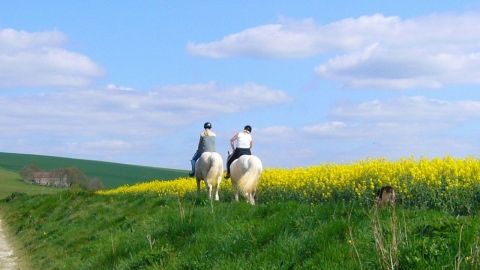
241	144
205	144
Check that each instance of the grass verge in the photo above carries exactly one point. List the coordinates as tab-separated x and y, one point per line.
77	230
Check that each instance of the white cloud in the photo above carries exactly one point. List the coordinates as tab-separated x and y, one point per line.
370	51
264	41
38	59
394	128
97	148
100	146
400	118
275	132
329	129
13	40
291	38
409	109
112	86
212	97
128	113
402	68
122	125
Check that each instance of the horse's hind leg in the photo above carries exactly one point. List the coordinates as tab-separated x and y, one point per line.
209	188
236	195
246	195
251	199
217	187
215	192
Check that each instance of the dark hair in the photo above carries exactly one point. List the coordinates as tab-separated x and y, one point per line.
207	125
248	128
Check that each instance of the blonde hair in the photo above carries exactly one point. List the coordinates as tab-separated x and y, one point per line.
208	132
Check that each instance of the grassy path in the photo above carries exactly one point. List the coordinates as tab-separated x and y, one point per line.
7	258
11	182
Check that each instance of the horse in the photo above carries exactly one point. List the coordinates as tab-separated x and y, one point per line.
386	195
209	167
245	173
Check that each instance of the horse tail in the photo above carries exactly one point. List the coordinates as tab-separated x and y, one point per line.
215	171
249	180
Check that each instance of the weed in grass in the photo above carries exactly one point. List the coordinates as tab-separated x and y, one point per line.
151	241
351	239
473	258
458	257
112	240
387	239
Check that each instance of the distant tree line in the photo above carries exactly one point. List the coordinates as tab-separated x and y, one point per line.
62	177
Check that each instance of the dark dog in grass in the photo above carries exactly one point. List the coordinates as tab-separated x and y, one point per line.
385	196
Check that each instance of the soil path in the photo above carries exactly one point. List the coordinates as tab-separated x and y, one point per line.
7	259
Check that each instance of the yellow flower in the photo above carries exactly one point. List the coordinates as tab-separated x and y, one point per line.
359	179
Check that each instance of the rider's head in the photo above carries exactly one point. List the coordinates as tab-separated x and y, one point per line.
207	125
248	128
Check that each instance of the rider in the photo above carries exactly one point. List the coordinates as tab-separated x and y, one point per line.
241	143
205	144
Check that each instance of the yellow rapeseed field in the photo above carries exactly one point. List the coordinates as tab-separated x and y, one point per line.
356	180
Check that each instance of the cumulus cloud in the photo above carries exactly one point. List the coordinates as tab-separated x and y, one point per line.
38	59
212	97
400	68
409	109
285	40
122	112
292	38
266	134
392	128
112	86
389	120
119	123
329	129
100	146
369	51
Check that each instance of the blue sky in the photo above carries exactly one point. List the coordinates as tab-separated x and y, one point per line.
319	81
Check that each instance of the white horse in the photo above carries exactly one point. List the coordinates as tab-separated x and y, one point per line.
245	173
209	167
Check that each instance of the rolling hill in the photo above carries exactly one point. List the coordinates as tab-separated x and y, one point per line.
111	174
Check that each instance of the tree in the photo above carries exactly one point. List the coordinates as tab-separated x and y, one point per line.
27	172
94	184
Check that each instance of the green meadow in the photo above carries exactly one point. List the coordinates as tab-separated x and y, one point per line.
11	181
72	229
78	230
111	174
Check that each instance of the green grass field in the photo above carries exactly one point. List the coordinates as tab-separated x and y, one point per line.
77	230
111	174
11	182
72	229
